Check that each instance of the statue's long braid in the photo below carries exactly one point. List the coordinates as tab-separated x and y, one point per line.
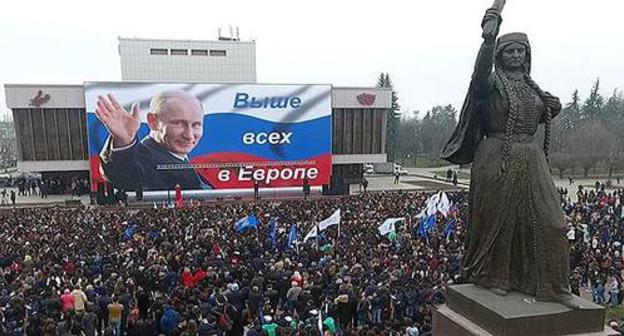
547	114
514	105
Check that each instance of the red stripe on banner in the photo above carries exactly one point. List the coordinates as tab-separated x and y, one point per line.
238	170
96	174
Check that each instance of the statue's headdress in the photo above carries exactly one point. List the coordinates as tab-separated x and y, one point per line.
507	39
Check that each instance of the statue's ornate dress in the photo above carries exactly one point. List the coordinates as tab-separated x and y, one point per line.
516	228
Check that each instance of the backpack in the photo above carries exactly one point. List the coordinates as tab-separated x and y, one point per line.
225	322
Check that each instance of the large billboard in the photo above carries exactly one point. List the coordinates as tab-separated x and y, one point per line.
208	136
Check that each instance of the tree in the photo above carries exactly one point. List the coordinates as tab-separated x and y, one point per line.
8	147
436	128
590	134
394	118
408	136
571	112
561	161
593	105
381	81
591	143
612	114
614	105
614	162
563	125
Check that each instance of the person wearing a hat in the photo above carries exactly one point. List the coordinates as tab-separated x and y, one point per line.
330	324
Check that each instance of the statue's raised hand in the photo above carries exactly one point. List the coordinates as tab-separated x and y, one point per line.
491	24
121	124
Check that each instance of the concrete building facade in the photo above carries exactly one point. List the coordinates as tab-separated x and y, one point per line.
222	61
51	133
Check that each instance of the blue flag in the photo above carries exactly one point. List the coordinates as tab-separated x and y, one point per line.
273	231
422	230
129	232
245	223
425	226
450	228
292	236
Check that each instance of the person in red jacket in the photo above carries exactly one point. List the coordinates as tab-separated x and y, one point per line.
67	300
178	196
187	278
198	276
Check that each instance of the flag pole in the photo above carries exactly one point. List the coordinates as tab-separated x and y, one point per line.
297	238
339	230
317	236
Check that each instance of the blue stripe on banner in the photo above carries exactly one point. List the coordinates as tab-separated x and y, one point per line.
224	132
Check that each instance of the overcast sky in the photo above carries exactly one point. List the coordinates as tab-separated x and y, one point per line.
427	46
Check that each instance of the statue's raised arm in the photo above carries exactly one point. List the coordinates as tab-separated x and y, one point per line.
485	60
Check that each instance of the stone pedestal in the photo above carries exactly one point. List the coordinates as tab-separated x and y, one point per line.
476	311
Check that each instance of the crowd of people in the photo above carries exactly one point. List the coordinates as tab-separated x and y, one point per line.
188	271
596	236
48	186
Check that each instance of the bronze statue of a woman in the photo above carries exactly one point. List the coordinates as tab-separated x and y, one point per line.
516	228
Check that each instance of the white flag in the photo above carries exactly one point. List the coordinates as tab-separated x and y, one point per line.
389	225
331	220
444	206
334	219
310	234
432	204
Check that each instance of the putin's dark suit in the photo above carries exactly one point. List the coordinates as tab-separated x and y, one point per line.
138	165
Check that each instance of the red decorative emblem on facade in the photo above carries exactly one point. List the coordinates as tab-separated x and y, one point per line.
366	99
39	99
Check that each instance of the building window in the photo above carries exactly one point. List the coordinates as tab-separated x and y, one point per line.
217	53
179	52
158	51
199	52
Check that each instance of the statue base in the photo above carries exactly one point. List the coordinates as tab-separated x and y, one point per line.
475	311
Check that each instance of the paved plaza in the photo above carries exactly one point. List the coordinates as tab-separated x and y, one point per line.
423	179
